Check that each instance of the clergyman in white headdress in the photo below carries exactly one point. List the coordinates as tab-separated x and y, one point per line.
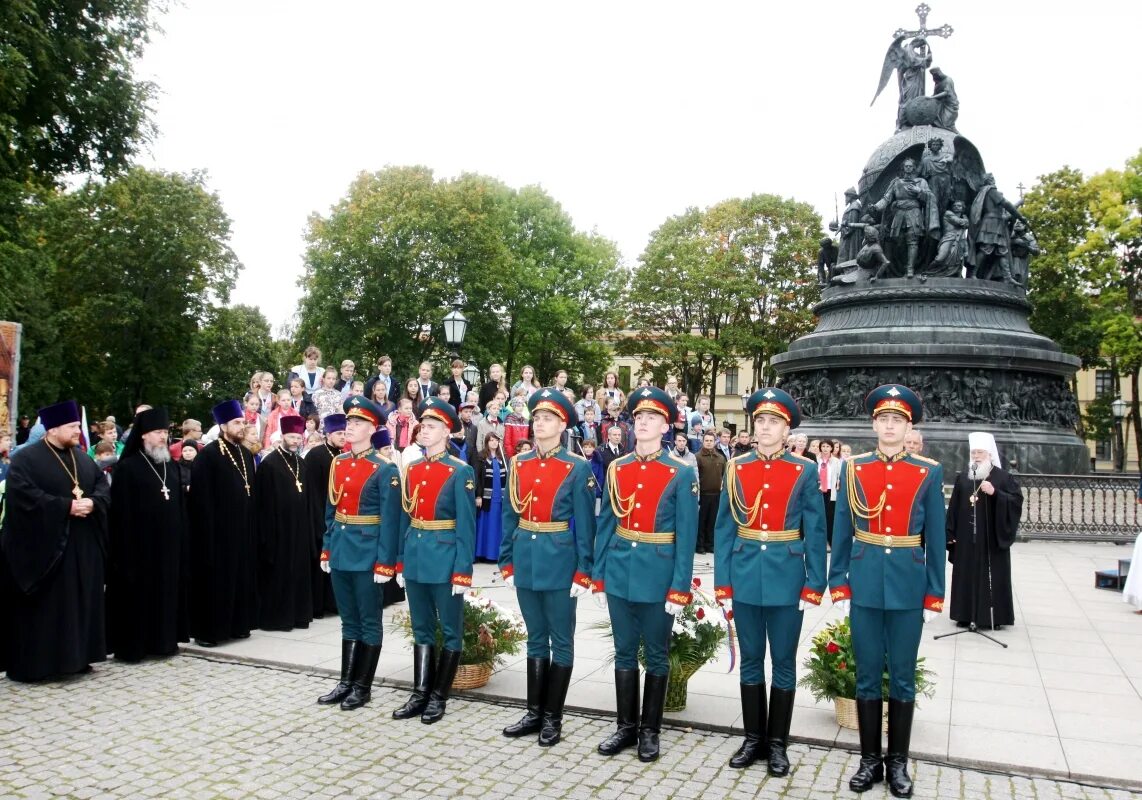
983	520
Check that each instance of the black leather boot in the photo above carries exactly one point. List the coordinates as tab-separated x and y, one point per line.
871	769
423	672
341	690
753	720
626	707
364	670
780	718
558	680
438	699
536	685
653	699
899	736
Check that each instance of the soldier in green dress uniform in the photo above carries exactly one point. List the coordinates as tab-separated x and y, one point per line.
644	561
888	562
546	556
434	566
362	497
769	561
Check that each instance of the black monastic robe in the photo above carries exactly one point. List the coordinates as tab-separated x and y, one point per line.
285	543
318	463
56	623
980	552
149	565
223	594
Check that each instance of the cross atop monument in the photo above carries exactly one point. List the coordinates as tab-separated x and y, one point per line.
923	31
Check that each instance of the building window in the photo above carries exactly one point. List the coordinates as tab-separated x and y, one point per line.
731	381
1103	382
1102	450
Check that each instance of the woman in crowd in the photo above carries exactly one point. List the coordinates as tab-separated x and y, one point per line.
491	475
380	398
412	392
829	481
495	384
612	391
527	382
327	400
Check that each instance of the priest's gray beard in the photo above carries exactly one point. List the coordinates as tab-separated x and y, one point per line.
981	471
159	454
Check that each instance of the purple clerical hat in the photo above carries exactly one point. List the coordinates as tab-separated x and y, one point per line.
381	439
292	425
333	423
63	413
226	411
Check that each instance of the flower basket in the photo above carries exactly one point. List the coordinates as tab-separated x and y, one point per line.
830	672
472	676
490	633
845	709
698	633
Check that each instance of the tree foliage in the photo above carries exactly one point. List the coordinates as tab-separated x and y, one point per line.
736	280
233	343
384	266
137	261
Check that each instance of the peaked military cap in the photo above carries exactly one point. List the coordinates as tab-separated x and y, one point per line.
894	397
442	410
778	402
651	398
363	408
553	400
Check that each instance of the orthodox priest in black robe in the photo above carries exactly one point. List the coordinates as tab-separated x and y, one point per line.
284	534
54	543
983	519
148	565
223	593
318	463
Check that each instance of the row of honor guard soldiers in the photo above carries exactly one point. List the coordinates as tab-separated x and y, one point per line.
636	558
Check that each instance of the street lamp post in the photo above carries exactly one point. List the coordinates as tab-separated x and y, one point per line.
455	328
471	374
1118	409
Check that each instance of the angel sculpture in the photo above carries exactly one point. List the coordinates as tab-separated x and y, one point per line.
910	63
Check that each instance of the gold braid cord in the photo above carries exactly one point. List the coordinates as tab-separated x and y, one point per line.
856	505
408	501
737	504
519	505
619	505
333	490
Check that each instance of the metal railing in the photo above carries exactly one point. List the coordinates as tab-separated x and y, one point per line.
1080	508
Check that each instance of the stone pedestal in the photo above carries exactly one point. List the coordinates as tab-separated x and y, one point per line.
964	345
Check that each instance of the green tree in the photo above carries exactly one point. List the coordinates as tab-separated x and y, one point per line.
384	266
234	342
138	260
735	280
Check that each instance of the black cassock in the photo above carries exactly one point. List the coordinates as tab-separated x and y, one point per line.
318	462
223	594
285	543
973	550
149	562
55	565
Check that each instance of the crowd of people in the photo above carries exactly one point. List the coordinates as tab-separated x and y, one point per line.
338	495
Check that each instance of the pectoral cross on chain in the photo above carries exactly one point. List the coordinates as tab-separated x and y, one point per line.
923	31
297	483
166	492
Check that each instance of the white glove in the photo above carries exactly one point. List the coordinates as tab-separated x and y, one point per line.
325	567
400	579
929	615
843	605
727	605
601	599
673	609
381	578
578	590
800	605
509	581
458	589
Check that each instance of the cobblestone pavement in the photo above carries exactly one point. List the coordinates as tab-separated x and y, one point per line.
193	728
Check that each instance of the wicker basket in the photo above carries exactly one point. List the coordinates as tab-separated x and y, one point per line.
846	709
472	676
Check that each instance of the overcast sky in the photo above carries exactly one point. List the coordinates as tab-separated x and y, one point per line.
625	112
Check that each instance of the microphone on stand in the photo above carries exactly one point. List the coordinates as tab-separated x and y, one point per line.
973	469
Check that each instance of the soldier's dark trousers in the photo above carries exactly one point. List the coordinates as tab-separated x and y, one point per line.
359	602
879	636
